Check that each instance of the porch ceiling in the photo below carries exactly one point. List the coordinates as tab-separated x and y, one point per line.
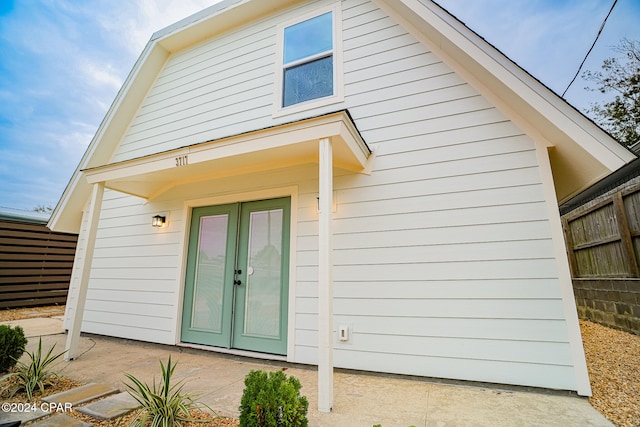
276	147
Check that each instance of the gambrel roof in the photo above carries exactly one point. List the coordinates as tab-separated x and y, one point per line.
581	153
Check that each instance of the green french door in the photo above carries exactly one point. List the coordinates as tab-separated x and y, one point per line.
236	283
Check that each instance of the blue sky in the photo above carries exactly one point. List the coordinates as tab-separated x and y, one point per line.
62	63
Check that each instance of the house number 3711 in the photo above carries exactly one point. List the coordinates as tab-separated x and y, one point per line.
182	160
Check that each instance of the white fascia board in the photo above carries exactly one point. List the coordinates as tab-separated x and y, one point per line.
215	20
475	59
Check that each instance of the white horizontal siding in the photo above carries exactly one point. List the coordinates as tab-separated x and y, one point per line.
452	327
518	215
136	327
469	308
511	289
466	308
485	370
519	351
132	288
461	235
146	285
382	254
453	270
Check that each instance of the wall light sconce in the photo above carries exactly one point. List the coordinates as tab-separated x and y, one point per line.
159	221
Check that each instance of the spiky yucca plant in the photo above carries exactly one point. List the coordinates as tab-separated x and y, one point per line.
36	373
163	404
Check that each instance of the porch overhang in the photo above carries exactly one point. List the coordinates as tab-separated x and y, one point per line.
275	147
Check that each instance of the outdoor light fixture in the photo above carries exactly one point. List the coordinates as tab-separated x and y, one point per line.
158	221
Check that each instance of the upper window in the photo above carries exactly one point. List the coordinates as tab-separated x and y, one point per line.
309	60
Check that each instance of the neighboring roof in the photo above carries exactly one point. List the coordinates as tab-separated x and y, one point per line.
581	153
10	214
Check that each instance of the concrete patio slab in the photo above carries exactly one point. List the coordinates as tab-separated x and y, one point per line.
79	395
39	326
473	406
61	420
361	399
110	407
22	416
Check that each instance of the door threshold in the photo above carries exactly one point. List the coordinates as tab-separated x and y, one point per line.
235	352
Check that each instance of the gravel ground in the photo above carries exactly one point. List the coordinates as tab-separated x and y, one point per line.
7	315
613	360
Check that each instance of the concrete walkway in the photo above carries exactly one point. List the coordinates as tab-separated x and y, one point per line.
360	399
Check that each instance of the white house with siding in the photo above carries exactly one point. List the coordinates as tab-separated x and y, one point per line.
361	184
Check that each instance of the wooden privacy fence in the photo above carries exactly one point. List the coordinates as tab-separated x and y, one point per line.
603	243
35	264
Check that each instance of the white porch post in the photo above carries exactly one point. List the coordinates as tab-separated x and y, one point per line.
73	336
325	279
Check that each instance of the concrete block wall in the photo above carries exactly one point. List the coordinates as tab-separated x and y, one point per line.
610	302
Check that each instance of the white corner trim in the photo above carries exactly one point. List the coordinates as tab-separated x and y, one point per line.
583	386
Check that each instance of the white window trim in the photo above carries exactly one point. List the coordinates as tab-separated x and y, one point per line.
338	79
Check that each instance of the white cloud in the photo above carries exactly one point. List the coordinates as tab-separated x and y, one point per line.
135	22
100	74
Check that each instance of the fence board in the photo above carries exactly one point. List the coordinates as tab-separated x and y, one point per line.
51	278
35	264
38	250
603	244
36	242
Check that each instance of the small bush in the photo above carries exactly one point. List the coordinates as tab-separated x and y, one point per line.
36	373
271	400
12	343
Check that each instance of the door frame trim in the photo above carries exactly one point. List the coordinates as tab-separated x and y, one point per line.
239	197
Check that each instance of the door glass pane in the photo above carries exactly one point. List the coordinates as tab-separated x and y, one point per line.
264	273
209	275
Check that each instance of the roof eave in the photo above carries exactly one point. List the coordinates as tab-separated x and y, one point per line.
536	109
217	19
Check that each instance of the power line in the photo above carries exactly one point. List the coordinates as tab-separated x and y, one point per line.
591	48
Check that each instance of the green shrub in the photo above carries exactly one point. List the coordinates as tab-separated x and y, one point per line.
271	400
36	373
162	404
12	342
